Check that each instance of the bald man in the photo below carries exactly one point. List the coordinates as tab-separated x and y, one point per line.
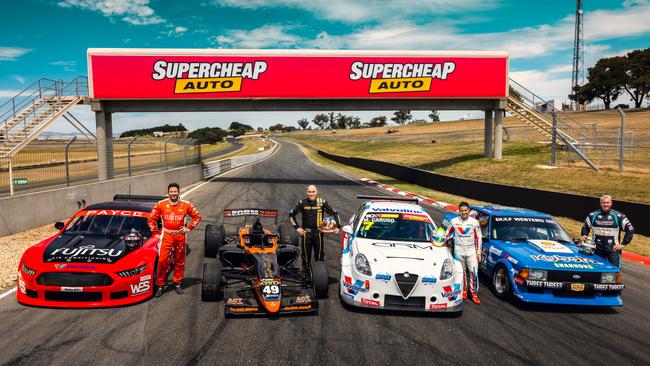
313	209
606	226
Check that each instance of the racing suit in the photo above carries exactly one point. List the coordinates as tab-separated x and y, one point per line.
312	220
467	245
173	219
605	231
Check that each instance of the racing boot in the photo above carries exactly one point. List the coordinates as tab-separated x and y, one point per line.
159	291
178	289
475	299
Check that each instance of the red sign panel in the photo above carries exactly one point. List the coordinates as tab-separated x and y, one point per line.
289	74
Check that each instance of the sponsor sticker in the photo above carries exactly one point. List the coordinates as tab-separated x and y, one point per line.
412	217
143	286
358	286
72	289
385	277
74	266
550	246
437	306
573	265
235	301
247	309
371	302
605	287
563	259
451	293
250	212
429	280
495	251
577	287
400	77
303	299
349	296
297	307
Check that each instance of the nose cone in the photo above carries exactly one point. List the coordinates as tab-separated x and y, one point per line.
272	306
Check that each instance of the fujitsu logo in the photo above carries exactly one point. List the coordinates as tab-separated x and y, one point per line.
87	250
173	217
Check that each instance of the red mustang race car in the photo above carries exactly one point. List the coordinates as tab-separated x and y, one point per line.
103	256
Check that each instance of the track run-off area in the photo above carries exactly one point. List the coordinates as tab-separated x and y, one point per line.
183	330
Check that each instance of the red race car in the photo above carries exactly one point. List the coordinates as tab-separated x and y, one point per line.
103	256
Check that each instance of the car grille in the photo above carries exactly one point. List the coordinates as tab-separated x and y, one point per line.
405	282
119	295
73	296
568	276
399	302
74	279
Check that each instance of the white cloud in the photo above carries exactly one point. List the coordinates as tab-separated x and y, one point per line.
12	53
69	66
8	93
136	12
266	36
20	79
180	29
355	11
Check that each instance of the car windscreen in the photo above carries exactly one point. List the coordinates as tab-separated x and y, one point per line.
514	228
107	225
396	226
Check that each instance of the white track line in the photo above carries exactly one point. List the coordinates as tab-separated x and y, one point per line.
13	289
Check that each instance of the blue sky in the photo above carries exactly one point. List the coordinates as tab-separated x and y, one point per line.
43	38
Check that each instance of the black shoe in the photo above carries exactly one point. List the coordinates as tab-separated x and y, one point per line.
159	292
178	289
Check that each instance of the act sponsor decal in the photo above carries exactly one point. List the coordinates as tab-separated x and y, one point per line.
235	301
400	77
550	246
371	302
563	259
206	77
385	277
142	287
303	299
437	306
429	280
451	293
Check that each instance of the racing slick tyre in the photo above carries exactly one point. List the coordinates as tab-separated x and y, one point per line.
288	235
319	279
501	283
214	238
211	284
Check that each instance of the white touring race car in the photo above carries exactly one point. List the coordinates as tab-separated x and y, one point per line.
390	260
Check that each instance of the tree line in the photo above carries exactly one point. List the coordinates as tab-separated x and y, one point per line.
341	121
613	77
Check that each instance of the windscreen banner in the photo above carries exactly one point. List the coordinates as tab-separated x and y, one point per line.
296	74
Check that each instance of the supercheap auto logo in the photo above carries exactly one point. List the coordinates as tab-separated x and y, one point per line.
207	77
400	77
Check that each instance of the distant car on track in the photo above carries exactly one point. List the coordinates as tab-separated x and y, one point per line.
254	272
389	260
102	256
528	255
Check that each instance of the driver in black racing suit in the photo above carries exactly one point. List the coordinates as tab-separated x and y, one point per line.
312	209
605	226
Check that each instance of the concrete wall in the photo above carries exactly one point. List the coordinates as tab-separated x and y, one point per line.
22	212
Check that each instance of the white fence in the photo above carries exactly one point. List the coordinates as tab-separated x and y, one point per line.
220	166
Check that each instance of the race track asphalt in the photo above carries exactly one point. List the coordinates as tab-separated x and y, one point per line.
181	330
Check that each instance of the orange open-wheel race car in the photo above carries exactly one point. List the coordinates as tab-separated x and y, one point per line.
254	272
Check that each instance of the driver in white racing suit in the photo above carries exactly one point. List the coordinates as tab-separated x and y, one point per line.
466	234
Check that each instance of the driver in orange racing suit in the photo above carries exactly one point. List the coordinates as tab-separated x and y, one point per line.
173	212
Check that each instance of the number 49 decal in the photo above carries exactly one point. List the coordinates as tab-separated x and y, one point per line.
271	290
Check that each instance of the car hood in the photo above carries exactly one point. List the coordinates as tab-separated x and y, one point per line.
85	249
553	255
393	256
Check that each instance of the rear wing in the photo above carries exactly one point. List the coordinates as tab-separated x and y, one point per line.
387	198
137	198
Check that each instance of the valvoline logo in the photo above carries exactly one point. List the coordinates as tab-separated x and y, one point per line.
358	286
464	230
451	294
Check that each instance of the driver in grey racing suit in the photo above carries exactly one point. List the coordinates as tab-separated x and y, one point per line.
605	226
466	233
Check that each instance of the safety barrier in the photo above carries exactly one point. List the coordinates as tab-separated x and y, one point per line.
555	203
220	166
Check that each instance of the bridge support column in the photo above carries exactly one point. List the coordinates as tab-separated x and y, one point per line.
487	141
104	125
498	133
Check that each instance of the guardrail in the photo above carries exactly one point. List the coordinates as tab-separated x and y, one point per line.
221	166
574	206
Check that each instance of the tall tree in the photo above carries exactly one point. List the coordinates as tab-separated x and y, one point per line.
605	80
435	116
320	120
332	121
402	116
303	123
354	122
637	72
379	121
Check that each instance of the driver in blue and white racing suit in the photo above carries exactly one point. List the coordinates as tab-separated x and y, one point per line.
467	238
605	226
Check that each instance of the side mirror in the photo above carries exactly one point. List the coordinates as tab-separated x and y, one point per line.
59	225
347	229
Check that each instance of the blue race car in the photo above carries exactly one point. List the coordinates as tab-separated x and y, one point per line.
528	255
